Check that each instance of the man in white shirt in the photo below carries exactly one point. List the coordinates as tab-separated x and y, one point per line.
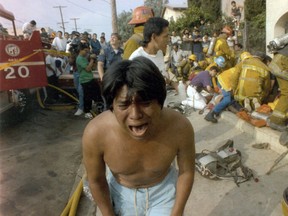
175	38
51	71
177	55
154	43
28	29
59	42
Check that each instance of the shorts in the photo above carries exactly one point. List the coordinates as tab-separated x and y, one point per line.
157	200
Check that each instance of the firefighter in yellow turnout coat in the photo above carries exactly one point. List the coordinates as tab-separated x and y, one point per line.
254	79
279	67
222	49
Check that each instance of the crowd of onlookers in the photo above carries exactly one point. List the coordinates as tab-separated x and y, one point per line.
210	65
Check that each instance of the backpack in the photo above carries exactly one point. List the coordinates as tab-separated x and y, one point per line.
224	163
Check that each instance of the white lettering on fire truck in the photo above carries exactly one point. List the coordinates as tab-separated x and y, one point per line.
22	72
12	50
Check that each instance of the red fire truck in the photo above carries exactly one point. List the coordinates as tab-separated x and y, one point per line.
22	66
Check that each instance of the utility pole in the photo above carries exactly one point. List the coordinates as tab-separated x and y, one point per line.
75	23
60	8
114	16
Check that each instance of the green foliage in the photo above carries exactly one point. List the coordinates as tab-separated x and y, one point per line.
124	29
157	6
254	7
256	33
255	17
189	19
209	10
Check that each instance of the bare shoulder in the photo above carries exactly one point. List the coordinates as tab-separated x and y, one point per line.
176	121
96	130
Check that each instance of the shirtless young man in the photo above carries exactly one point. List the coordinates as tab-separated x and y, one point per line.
138	139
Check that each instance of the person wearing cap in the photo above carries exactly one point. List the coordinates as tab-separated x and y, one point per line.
85	36
91	88
278	120
187	67
254	81
28	29
221	47
139	17
227	82
219	62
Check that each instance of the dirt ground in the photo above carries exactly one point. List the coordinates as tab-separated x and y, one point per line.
39	158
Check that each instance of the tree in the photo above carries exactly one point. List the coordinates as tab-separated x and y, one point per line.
255	17
124	29
157	6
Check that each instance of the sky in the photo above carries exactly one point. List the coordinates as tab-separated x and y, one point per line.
94	15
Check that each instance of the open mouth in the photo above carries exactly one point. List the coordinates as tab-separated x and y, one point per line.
139	130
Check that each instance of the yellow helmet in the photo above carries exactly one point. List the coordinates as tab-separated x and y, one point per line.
205	49
193	57
203	64
53	34
141	15
245	55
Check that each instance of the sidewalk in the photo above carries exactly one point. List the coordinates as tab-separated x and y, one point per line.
221	198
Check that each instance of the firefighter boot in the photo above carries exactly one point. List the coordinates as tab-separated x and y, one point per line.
284	138
210	117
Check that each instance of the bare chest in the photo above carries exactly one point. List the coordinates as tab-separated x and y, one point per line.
131	158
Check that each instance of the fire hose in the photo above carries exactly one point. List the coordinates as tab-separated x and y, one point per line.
71	207
57	107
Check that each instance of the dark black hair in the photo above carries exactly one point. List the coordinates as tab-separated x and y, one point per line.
154	25
214	68
140	75
82	46
175	44
33	22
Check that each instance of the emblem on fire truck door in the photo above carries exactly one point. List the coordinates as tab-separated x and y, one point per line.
12	50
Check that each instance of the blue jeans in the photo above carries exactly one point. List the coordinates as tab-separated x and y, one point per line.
226	101
157	200
79	89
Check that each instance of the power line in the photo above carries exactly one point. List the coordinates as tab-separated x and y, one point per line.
101	14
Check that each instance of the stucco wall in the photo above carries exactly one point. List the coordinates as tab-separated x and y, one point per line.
276	19
169	13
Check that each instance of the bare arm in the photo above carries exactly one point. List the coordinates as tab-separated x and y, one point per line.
100	67
90	65
186	164
94	163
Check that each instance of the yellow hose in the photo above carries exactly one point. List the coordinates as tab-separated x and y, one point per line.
71	207
76	198
63	91
59	107
56	107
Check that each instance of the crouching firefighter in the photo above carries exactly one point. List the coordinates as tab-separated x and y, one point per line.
279	67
